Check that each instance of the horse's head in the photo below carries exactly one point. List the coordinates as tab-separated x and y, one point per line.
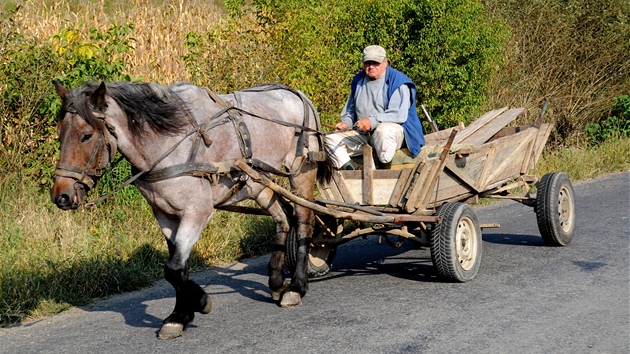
86	145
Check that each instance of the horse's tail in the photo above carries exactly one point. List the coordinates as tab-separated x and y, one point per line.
325	168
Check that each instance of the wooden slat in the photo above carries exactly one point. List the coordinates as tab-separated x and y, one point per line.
461	174
418	180
433	177
527	159
506	161
400	186
417	197
345	194
484	133
477	124
489	161
387	174
439	137
368	170
541	140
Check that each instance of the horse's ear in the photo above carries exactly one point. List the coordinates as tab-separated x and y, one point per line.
61	90
97	98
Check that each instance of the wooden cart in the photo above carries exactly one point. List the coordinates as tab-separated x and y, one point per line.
426	199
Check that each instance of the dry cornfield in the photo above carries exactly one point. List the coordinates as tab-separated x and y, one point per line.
159	31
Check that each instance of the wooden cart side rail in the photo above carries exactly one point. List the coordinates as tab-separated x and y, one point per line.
384	219
426	192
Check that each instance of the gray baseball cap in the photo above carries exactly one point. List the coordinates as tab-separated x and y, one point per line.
374	53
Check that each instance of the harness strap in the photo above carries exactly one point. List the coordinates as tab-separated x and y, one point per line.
242	131
208	170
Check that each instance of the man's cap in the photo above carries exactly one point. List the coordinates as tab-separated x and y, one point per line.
374	53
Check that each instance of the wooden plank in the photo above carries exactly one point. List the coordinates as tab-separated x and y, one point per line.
368	169
418	181
460	173
527	159
439	137
414	179
386	174
482	182
400	186
346	196
513	152
432	179
416	197
483	134
477	124
382	191
541	140
351	174
507	131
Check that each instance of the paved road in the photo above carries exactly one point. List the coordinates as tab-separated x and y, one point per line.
527	298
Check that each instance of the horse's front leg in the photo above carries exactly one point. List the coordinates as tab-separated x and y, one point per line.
181	235
276	267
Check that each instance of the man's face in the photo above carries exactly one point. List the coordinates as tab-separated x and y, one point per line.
374	70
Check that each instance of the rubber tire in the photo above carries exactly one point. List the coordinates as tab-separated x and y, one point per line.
320	258
555	209
456	243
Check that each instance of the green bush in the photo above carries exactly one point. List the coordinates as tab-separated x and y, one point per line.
616	125
449	48
573	53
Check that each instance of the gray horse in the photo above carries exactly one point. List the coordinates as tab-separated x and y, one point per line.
183	143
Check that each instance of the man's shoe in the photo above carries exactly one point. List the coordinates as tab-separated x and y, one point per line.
350	165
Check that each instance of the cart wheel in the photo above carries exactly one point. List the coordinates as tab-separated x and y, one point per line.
456	243
320	257
555	209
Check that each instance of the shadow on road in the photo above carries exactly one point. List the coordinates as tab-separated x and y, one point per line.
516	240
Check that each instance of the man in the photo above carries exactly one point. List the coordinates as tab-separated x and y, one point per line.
382	101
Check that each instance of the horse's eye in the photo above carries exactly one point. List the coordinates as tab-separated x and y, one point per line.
86	138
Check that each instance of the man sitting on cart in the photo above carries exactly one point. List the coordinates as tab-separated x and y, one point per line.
382	103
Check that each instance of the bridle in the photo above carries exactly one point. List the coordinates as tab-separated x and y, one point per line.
106	143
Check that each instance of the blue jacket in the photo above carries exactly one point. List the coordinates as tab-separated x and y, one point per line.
412	126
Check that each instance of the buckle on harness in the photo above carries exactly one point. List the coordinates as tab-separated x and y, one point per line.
316	156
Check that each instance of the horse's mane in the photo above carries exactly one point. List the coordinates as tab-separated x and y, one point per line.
143	103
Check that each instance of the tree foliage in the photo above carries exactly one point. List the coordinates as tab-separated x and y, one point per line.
449	48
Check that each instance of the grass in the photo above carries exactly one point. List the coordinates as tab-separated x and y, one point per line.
586	163
51	259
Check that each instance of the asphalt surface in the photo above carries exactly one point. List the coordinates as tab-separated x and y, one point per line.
527	298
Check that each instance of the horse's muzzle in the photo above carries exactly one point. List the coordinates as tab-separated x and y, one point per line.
67	194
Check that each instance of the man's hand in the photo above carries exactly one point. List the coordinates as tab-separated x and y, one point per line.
364	125
341	126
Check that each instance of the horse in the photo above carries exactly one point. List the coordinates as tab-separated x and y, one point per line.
184	142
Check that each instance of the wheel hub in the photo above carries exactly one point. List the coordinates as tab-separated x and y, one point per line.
466	245
564	210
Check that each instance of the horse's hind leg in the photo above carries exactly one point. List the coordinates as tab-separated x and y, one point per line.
189	296
276	268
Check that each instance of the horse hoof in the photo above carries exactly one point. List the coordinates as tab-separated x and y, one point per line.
171	330
208	307
291	299
276	295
